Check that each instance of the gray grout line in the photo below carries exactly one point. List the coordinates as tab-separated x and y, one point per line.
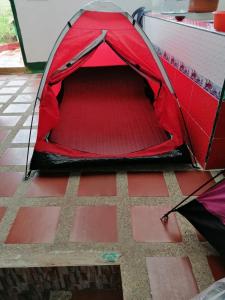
7	221
201	270
123	211
122	184
172	185
14	130
67	211
65	225
135	284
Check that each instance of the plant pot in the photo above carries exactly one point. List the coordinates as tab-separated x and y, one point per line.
201	6
219	20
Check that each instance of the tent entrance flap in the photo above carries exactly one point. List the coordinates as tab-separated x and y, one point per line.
108	112
70	66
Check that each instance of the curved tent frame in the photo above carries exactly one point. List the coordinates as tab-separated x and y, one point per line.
102	6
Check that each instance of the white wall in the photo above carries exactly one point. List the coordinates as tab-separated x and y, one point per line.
201	50
41	21
221	5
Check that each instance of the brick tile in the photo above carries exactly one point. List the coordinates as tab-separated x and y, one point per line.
3	134
44	186
9	183
191	180
16	82
34	225
171	278
217	266
30	89
15	156
94	224
147	184
28	121
5	98
147	226
8	90
24	98
97	185
9	120
2	212
16	108
22	136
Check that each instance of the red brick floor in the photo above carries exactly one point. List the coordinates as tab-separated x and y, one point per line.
147	184
9	183
3	134
93	214
14	156
34	225
97	185
44	186
190	181
171	278
147	226
94	224
217	266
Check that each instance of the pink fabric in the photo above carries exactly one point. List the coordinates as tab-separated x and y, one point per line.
214	201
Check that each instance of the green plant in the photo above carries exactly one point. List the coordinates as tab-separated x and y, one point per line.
7	29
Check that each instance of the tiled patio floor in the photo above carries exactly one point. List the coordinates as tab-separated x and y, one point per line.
75	220
11	58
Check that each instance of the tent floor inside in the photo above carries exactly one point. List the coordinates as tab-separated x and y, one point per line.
104	110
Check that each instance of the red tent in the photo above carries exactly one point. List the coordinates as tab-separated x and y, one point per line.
105	95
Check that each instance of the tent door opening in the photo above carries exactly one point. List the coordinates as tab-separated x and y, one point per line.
105	110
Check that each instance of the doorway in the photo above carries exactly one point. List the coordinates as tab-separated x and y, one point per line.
10	52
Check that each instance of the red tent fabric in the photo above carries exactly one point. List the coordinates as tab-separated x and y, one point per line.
87	41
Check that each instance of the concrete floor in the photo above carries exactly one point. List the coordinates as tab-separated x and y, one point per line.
11	58
83	219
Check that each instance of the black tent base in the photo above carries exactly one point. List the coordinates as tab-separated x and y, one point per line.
52	162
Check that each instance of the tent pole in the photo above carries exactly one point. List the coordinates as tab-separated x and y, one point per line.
194	161
28	173
221	100
165	217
